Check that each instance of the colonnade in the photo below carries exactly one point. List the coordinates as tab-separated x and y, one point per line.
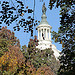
46	33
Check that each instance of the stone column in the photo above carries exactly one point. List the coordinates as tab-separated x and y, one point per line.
46	34
41	34
49	34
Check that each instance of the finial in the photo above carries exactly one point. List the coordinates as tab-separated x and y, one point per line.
44	8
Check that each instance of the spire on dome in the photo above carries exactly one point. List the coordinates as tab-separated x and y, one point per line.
44	21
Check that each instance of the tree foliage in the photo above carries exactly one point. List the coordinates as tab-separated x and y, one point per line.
40	58
44	71
29	61
16	13
66	35
7	38
11	60
11	57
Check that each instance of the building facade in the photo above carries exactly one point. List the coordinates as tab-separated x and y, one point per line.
44	35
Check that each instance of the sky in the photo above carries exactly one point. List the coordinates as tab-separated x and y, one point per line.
53	19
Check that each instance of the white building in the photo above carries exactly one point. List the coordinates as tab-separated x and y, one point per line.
44	35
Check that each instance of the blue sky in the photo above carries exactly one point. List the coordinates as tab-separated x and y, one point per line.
53	19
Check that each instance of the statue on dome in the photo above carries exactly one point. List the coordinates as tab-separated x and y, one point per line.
44	8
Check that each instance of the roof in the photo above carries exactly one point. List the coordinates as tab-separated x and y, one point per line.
44	22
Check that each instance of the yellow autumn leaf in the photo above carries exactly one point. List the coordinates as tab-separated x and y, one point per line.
61	42
16	62
56	39
74	38
26	7
7	56
63	46
22	14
